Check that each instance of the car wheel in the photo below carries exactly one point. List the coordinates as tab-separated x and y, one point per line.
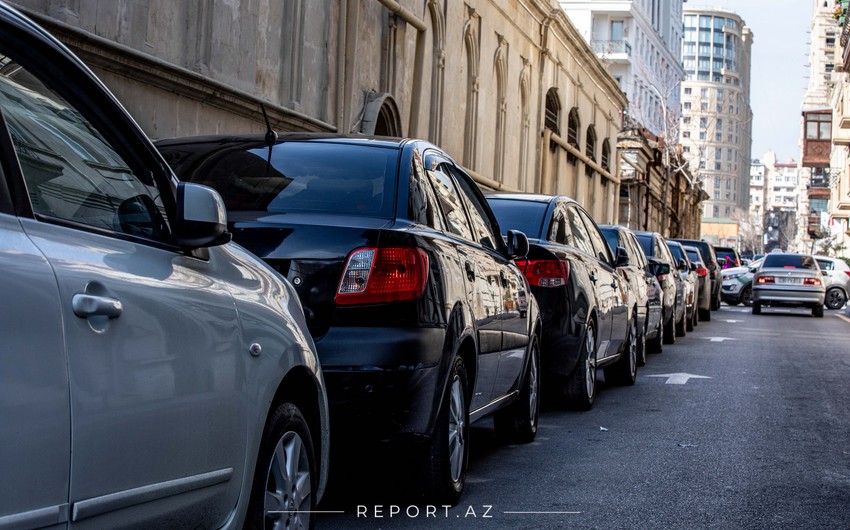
680	325
756	308
689	321
518	421
705	314
656	345
641	343
624	371
747	296
670	328
694	315
282	495
835	298
448	451
581	385
817	311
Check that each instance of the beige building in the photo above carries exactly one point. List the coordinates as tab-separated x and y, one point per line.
508	87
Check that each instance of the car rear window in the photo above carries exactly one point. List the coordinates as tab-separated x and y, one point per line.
789	261
525	216
677	251
646	245
320	177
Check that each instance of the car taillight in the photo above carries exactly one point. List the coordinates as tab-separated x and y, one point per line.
380	275
811	281
545	272
702	271
847	273
766	279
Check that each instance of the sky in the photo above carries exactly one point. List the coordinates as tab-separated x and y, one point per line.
779	74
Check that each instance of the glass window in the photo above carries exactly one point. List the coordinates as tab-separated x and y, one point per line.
525	216
484	232
825	265
580	237
422	204
600	248
450	203
818	126
789	261
71	171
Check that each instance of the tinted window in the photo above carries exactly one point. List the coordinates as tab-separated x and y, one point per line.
790	261
525	216
71	171
646	244
559	229
612	237
422	202
483	230
580	237
600	247
299	177
450	203
676	250
825	265
694	256
636	256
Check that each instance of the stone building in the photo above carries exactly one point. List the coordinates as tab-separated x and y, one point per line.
507	87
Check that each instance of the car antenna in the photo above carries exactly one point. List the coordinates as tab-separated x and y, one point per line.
271	138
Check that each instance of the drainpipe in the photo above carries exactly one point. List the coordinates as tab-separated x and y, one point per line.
352	22
546	156
340	66
418	62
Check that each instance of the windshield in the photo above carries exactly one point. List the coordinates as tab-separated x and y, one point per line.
790	261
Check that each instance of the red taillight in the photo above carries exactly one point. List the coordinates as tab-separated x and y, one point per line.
380	275
847	273
811	281
766	279
702	271
545	272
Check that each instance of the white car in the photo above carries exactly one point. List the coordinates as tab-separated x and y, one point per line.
737	287
837	276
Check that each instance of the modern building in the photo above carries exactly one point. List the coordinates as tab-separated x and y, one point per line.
716	128
777	207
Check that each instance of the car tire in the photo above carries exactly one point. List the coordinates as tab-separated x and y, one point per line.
733	303
518	421
689	321
756	308
656	345
747	295
448	449
695	315
715	301
277	497
835	298
817	311
641	343
624	371
680	325
705	314
580	388
670	328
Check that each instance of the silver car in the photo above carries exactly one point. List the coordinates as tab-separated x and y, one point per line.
789	280
837	277
152	374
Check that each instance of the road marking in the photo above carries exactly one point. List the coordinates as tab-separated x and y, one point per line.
842	317
733	321
718	339
679	379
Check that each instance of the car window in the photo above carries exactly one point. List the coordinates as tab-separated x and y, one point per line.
825	265
71	172
600	247
580	237
422	202
790	261
663	252
559	230
694	256
450	202
676	250
483	230
646	244
525	216
613	239
636	255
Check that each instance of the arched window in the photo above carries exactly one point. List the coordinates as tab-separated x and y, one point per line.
590	150
553	111
573	125
606	154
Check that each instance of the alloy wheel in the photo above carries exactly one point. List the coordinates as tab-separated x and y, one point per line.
457	428
288	485
590	363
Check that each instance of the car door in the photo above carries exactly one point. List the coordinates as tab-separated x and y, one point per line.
483	291
512	310
154	381
35	411
599	278
614	289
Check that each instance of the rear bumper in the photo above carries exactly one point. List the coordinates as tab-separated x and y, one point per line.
789	297
383	383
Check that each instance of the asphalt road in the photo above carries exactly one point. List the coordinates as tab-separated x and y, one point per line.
760	440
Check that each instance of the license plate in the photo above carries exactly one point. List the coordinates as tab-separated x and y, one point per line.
796	281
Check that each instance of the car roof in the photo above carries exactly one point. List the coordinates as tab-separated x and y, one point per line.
528	197
381	141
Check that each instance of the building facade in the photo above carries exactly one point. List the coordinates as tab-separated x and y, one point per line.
716	130
507	87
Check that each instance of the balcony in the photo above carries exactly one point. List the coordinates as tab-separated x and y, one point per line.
612	50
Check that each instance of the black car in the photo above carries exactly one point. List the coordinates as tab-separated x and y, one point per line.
703	284
713	266
589	313
691	281
421	319
636	270
673	300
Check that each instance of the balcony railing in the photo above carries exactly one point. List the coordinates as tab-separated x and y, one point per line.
610	47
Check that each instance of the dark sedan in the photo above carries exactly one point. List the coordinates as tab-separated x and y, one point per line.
673	313
421	319
589	313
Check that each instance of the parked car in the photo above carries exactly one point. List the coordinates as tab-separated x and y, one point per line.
703	284
153	374
789	280
738	283
837	281
421	318
589	313
689	277
727	257
637	272
711	263
672	285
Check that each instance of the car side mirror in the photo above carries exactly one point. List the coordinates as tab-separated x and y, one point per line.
622	257
825	273
683	265
694	266
659	268
201	217
517	244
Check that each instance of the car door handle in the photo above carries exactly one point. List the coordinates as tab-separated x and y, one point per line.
613	285
504	280
593	277
87	305
470	273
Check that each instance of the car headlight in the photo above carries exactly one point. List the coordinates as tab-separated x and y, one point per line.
733	275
